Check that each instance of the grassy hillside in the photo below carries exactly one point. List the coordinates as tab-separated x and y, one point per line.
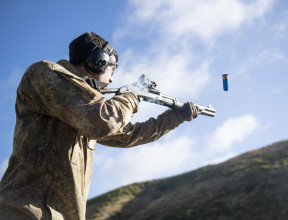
250	186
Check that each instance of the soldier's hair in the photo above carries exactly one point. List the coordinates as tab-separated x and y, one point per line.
82	46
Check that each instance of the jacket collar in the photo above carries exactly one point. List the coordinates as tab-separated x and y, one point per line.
91	81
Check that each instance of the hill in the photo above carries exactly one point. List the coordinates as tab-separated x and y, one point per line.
250	186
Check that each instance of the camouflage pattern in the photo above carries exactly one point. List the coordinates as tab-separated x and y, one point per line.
59	118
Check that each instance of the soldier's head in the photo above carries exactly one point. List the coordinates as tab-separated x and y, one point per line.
93	56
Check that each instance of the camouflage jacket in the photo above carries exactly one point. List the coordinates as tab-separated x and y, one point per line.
59	118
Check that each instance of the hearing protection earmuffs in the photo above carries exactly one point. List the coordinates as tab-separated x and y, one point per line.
99	59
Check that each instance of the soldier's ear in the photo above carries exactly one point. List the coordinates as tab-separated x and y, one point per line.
98	60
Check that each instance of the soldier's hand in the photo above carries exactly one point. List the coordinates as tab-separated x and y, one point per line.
133	99
189	111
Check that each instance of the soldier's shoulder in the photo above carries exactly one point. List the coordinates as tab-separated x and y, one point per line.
43	65
43	68
39	71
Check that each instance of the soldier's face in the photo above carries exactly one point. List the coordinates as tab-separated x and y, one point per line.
107	77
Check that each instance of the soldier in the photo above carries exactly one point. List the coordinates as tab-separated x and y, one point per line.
59	118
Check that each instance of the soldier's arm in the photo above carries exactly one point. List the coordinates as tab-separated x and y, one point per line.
142	133
71	100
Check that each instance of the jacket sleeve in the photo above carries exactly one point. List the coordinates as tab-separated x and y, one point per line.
142	133
47	89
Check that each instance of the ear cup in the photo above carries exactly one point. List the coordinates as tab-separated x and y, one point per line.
97	61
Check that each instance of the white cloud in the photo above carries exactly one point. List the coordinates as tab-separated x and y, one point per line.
146	162
233	130
258	8
158	158
168	57
205	19
251	66
176	77
175	73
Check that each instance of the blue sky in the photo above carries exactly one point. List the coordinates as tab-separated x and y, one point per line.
186	46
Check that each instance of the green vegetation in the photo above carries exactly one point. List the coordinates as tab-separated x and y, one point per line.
250	186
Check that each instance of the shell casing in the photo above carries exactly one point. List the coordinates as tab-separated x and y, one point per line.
225	82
